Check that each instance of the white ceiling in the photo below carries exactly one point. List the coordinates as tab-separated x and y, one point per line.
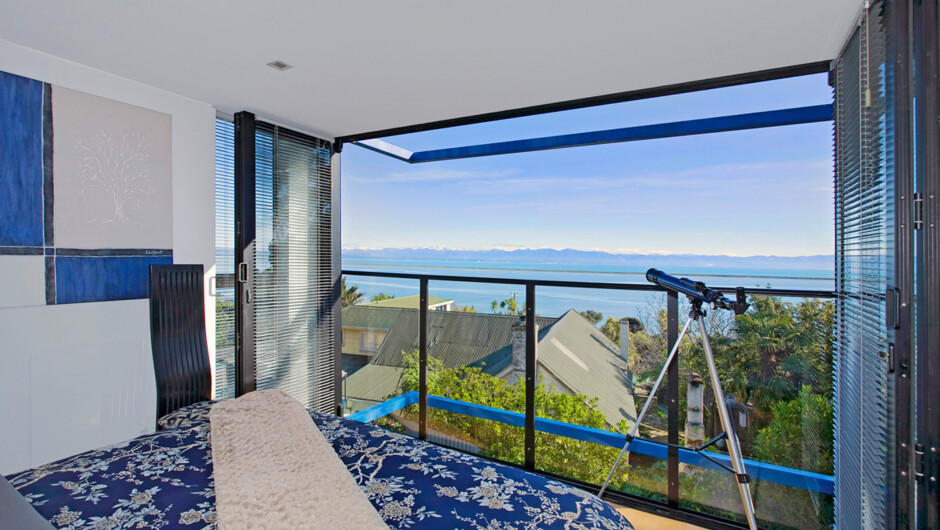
361	65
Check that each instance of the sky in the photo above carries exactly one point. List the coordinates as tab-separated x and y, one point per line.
742	193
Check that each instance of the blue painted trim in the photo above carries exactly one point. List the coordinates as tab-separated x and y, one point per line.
796	478
385	408
738	122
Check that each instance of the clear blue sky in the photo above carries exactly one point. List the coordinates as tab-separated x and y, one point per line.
765	191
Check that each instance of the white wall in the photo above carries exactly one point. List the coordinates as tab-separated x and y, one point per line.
79	376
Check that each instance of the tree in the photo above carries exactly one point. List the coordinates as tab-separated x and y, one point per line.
592	316
381	296
116	165
464	309
800	434
635	325
611	328
351	295
510	305
557	454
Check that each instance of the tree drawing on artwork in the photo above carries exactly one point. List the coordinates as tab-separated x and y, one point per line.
117	165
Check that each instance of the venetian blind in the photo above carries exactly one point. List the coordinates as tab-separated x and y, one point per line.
862	189
224	259
293	316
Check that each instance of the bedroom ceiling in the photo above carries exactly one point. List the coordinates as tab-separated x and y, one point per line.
364	66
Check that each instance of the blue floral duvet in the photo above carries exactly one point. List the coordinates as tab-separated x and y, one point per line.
164	480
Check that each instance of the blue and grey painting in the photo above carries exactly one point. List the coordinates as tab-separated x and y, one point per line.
21	176
26	209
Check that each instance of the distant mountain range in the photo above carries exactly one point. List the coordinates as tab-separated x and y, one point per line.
549	256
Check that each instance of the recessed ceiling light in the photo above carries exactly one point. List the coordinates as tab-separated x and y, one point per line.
279	65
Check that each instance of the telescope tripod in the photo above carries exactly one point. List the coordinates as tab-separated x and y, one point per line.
697	314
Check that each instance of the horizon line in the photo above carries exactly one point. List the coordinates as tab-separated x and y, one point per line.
614	252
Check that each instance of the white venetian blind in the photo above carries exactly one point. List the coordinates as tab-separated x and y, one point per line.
224	259
863	187
291	296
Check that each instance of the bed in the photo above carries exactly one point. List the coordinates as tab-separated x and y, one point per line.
164	480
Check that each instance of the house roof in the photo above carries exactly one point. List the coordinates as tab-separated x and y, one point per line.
571	349
367	66
456	338
582	358
369	317
407	302
373	382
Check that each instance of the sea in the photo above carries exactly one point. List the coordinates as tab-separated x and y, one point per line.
555	301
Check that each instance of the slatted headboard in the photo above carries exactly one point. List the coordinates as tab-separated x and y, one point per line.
178	336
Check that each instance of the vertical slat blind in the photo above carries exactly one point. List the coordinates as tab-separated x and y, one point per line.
224	259
862	226
291	295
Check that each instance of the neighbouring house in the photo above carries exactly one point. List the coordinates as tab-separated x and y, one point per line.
573	355
435	303
364	331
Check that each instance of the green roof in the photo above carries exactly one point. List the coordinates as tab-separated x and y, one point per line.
357	316
407	302
373	382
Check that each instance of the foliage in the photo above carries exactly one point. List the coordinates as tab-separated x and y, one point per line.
592	316
224	323
800	434
464	309
611	328
510	306
556	454
351	295
634	324
379	297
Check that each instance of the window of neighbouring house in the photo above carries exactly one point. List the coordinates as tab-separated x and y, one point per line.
368	341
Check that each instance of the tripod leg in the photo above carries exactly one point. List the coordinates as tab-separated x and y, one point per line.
734	449
636	424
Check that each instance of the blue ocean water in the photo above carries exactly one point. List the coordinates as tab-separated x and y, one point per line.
555	301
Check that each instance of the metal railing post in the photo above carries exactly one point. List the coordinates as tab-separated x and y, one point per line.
423	360
531	364
672	398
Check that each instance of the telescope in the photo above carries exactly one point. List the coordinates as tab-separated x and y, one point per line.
698	291
699	294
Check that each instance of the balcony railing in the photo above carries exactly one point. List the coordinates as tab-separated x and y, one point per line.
677	458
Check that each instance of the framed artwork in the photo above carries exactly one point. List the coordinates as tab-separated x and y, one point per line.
85	195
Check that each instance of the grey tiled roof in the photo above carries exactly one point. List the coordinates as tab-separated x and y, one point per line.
458	339
582	358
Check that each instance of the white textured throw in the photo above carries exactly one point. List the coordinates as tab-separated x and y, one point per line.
274	469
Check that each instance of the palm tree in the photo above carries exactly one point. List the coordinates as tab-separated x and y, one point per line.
351	295
770	333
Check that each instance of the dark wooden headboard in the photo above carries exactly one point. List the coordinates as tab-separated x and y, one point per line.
178	336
